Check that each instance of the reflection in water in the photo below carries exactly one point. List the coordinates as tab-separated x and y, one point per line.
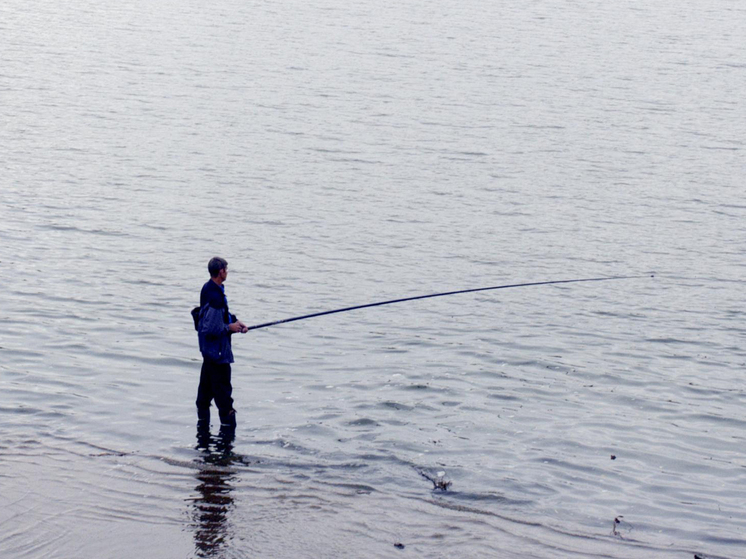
211	507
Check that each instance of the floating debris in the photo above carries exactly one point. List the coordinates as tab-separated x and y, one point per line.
439	483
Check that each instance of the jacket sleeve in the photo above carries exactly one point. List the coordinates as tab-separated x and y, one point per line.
211	322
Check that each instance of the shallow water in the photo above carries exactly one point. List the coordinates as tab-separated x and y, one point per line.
343	154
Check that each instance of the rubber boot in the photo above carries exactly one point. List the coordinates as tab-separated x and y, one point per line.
228	421
203	418
203	438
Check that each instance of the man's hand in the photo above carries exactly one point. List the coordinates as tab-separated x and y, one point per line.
244	328
236	327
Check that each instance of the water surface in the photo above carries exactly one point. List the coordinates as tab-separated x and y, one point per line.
338	154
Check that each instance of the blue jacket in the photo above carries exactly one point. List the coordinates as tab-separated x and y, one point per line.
212	324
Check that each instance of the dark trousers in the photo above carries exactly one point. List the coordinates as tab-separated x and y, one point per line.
215	383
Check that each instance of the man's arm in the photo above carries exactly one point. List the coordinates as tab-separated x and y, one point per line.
211	323
239	326
242	327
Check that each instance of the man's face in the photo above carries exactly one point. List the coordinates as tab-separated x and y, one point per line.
224	274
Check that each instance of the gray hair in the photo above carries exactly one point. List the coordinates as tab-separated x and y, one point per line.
215	265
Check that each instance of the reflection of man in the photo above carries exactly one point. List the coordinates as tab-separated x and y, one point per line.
212	528
215	327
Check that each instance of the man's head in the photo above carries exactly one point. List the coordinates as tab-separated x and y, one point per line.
216	267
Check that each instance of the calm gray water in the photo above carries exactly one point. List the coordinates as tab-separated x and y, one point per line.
339	153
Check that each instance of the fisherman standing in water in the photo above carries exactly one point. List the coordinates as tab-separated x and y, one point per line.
215	326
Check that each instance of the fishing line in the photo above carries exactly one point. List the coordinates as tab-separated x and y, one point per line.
392	301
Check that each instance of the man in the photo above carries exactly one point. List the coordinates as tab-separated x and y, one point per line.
215	327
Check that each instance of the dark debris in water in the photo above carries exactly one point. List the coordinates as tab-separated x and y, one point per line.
399	545
617	523
111	453
439	483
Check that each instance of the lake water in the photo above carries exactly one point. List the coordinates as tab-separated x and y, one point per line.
340	153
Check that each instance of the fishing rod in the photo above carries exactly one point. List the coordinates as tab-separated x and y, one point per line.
392	301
